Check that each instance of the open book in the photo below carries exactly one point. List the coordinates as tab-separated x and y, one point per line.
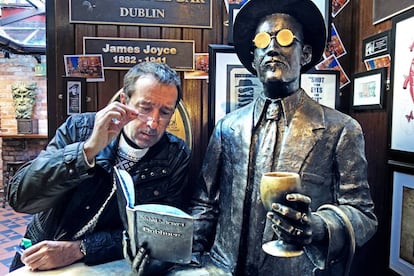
167	231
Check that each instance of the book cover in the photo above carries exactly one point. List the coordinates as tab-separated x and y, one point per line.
166	230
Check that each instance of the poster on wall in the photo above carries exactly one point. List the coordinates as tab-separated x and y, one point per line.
402	231
402	113
385	9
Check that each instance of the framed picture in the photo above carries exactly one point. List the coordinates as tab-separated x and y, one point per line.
376	45
219	57
402	85
89	67
385	9
325	8
230	85
75	94
368	89
233	10
242	87
322	86
402	227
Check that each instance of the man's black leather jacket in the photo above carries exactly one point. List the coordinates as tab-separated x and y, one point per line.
64	193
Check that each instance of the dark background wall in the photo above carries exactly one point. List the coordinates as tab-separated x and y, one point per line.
354	23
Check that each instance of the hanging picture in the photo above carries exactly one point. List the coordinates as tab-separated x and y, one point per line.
402	227
402	79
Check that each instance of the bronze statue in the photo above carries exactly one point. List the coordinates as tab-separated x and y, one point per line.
281	130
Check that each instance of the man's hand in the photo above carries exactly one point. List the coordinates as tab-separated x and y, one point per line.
296	224
47	255
140	261
108	124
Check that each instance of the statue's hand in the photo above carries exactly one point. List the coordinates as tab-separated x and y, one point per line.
140	261
293	223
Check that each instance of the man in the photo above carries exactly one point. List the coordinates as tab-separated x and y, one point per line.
282	130
70	188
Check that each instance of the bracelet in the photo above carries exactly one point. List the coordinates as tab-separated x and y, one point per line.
82	247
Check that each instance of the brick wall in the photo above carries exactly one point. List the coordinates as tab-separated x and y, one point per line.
20	68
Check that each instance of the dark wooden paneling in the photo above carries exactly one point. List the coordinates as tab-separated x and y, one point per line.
372	259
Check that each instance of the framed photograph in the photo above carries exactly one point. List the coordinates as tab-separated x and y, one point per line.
402	85
219	57
200	67
322	86
75	94
89	67
233	11
376	45
385	9
368	89
325	8
242	87
402	227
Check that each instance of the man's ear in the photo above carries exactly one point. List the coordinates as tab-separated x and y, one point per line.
306	54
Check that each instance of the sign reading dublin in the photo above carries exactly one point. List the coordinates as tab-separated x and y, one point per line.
171	13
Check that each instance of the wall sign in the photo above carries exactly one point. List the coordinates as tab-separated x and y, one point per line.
123	53
174	13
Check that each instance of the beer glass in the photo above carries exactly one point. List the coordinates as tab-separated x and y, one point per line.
274	187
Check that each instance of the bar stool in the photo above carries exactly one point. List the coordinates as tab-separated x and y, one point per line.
12	167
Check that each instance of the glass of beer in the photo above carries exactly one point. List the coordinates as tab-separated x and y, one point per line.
274	187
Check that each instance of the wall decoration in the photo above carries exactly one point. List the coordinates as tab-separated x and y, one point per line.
402	82
200	67
84	66
75	95
332	63
380	62
242	87
197	14
337	6
180	124
376	45
368	89
220	57
325	7
402	227
322	86
334	46
233	11
385	9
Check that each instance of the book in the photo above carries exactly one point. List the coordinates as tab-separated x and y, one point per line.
165	230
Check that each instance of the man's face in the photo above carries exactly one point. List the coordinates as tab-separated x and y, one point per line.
276	63
155	104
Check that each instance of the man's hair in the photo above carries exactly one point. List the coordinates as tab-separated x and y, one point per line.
162	73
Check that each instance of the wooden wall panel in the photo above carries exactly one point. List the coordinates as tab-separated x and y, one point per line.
372	259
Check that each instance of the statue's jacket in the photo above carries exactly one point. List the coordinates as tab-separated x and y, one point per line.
323	145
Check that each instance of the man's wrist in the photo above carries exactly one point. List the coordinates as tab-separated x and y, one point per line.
90	164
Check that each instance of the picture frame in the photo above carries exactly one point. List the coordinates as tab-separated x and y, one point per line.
401	258
325	8
233	11
88	66
385	9
376	45
219	57
322	86
368	89
242	87
401	102
74	97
